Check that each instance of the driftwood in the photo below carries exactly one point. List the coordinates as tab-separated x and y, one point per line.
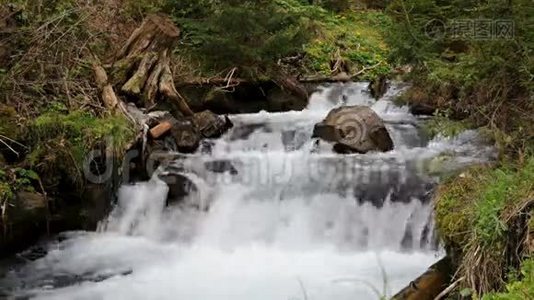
146	56
110	99
340	77
160	129
213	81
429	285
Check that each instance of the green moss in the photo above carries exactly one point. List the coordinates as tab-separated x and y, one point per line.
470	208
518	289
455	201
355	37
481	216
64	139
8	122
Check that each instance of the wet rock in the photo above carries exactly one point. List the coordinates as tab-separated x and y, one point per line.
26	217
354	129
96	205
280	100
422	109
220	101
378	87
179	187
221	166
186	136
211	125
243	132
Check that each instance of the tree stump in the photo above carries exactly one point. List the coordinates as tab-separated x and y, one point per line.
143	64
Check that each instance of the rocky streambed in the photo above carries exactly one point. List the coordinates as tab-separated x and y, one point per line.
268	210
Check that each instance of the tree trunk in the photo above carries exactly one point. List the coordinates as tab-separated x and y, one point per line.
146	56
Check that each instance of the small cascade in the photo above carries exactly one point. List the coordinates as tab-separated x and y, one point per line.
266	213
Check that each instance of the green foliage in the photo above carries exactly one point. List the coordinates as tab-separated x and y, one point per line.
250	35
488	79
355	37
442	124
470	207
518	289
480	214
13	180
336	5
63	140
34	12
455	202
254	35
8	122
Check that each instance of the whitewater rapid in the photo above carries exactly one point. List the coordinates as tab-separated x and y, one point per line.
278	217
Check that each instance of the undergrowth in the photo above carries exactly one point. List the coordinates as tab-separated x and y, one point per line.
442	124
12	181
520	288
353	38
487	81
61	140
262	38
484	214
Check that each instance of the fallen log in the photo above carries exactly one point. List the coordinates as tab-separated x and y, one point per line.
429	285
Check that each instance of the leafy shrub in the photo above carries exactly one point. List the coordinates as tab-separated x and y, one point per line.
479	213
488	80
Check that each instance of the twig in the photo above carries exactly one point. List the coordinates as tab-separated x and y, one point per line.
230	76
451	287
9	147
47	206
365	69
13	141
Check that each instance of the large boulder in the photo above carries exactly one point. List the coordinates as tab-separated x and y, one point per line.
354	129
180	186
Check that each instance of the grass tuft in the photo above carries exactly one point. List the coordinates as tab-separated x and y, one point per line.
482	212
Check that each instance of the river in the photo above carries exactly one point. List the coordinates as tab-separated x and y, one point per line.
273	215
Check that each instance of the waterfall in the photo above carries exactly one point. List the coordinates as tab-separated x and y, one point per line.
270	215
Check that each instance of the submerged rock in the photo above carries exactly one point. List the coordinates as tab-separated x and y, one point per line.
186	135
179	187
378	87
421	109
354	129
221	166
211	125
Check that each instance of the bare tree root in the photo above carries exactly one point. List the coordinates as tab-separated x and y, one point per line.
146	56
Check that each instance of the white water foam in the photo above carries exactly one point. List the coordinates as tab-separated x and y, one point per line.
292	222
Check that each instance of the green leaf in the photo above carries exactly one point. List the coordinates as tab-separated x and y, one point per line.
466	292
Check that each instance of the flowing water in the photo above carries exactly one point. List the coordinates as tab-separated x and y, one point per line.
272	214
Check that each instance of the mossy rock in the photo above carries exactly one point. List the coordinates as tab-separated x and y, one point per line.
454	205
